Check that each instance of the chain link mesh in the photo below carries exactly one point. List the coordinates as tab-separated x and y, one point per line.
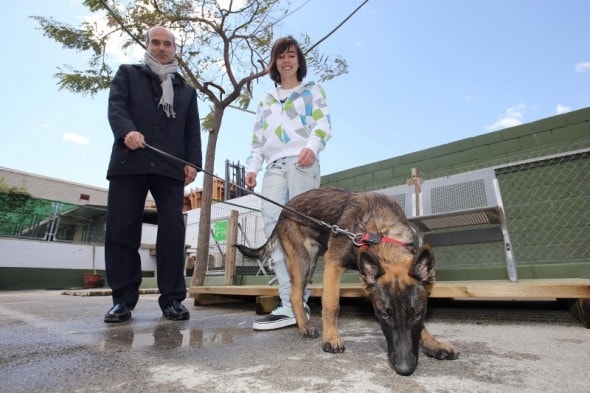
250	233
547	205
546	197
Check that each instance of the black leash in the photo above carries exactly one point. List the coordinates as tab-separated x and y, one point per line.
355	237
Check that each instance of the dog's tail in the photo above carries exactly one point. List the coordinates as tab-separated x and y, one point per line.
263	252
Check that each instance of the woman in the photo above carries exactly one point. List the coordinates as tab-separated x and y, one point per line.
291	128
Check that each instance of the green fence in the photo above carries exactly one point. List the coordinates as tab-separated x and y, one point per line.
547	207
547	204
52	220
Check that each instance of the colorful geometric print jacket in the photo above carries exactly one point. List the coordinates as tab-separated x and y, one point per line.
284	129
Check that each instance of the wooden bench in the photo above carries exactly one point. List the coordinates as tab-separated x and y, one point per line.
575	290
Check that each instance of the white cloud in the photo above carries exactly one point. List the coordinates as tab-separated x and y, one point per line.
75	138
562	109
236	5
116	51
131	54
513	117
582	67
44	125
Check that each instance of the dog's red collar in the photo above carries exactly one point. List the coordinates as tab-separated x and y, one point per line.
374	238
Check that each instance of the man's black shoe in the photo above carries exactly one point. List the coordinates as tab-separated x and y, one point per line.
175	311
120	312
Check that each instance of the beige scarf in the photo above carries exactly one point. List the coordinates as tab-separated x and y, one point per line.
164	72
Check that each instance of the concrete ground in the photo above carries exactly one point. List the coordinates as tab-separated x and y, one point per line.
51	342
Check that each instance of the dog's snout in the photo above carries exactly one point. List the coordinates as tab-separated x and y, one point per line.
403	367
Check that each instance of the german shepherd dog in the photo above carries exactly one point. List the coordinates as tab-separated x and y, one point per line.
396	276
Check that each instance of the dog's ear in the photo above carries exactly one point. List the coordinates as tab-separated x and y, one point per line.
369	269
423	269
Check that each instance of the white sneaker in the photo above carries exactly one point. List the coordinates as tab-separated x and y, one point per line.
278	318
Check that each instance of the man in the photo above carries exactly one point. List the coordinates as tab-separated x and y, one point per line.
149	103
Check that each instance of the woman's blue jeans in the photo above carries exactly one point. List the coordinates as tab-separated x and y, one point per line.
282	181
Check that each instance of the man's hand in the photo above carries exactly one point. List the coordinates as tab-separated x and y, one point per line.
134	140
190	174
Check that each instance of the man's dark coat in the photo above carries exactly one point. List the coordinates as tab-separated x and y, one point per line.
133	106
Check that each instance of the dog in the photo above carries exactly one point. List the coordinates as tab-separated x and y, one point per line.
375	239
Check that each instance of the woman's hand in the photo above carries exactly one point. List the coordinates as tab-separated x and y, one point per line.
306	157
251	180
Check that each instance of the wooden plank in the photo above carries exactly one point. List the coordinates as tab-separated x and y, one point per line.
241	290
230	252
523	289
576	291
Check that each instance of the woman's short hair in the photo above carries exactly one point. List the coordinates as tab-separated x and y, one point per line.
280	46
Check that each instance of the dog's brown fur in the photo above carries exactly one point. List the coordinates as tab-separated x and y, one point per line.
397	279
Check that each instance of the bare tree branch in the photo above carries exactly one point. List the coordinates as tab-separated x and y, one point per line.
337	27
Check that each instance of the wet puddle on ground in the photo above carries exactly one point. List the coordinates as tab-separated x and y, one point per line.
164	337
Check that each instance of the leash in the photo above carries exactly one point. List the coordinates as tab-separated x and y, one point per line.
359	239
249	191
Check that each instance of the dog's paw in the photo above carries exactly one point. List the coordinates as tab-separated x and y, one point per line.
333	347
309	332
443	352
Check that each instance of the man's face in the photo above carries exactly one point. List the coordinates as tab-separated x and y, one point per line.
161	45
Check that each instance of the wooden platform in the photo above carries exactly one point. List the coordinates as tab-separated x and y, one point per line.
575	290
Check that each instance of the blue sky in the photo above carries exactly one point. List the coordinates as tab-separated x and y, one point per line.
422	73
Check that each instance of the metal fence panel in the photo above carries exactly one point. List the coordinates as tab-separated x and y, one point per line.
250	233
52	220
547	207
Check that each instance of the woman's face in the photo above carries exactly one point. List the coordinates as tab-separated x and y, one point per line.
288	64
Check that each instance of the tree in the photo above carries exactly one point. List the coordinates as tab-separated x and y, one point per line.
12	198
13	202
224	47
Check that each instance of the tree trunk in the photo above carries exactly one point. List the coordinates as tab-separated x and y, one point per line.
202	256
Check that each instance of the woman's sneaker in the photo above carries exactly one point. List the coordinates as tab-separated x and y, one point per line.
278	318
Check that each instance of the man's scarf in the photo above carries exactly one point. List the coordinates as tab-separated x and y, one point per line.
164	72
